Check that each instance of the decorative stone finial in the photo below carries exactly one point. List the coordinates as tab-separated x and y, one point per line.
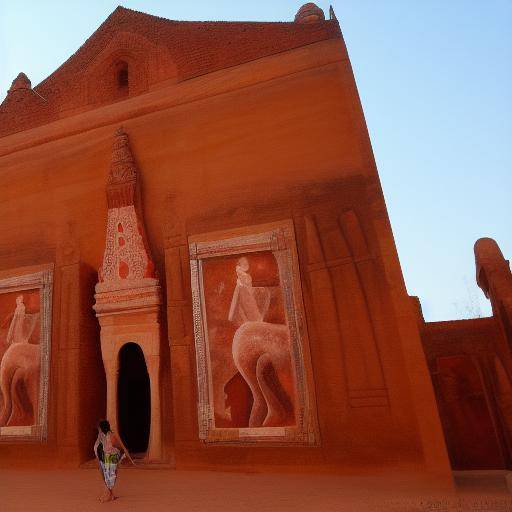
20	82
309	13
127	256
122	168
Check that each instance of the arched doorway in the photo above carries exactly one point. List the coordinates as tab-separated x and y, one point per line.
134	399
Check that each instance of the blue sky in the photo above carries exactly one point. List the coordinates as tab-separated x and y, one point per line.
435	80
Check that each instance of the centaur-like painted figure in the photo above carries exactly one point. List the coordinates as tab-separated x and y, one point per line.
259	350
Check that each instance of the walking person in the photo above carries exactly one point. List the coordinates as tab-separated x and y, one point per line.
109	451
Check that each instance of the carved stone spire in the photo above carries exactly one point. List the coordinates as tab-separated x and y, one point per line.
122	169
122	178
127	261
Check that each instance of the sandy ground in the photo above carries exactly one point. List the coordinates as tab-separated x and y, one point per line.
187	491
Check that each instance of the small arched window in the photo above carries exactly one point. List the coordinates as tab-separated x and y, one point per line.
122	76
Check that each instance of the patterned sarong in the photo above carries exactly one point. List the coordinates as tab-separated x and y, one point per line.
109	468
108	457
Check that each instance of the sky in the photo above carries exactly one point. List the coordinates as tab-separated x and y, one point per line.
435	81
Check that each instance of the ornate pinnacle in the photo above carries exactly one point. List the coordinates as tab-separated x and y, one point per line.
309	13
122	168
20	82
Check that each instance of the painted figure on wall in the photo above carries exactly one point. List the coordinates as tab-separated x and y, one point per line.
20	358
249	303
249	342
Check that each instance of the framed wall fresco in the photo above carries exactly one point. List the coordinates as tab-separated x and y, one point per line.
252	354
25	332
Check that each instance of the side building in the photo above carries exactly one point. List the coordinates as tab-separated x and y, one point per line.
470	362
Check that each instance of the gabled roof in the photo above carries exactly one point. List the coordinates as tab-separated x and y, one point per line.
156	50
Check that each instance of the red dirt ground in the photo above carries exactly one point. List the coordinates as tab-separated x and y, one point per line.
183	491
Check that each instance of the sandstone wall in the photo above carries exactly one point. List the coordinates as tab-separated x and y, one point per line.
275	139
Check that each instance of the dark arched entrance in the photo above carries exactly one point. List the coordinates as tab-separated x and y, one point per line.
133	398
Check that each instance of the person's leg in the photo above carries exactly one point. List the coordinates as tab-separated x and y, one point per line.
116	469
105	492
112	495
107	495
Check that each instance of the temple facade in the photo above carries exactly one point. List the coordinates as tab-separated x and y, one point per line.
195	245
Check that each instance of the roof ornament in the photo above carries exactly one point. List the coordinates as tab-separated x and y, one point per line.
309	13
21	82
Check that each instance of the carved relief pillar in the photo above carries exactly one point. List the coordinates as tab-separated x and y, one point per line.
68	303
128	298
327	327
69	362
111	373
155	441
180	324
338	268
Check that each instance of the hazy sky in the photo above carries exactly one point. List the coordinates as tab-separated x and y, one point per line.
435	80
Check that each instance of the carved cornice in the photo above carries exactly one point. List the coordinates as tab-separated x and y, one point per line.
111	300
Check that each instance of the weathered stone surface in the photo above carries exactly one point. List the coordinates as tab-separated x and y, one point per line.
222	137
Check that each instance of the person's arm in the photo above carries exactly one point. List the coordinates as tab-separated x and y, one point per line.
116	441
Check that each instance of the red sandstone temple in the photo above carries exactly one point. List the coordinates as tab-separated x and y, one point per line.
195	245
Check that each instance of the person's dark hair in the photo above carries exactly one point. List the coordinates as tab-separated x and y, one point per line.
104	426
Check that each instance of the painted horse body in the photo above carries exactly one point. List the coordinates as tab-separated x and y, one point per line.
20	366
261	352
